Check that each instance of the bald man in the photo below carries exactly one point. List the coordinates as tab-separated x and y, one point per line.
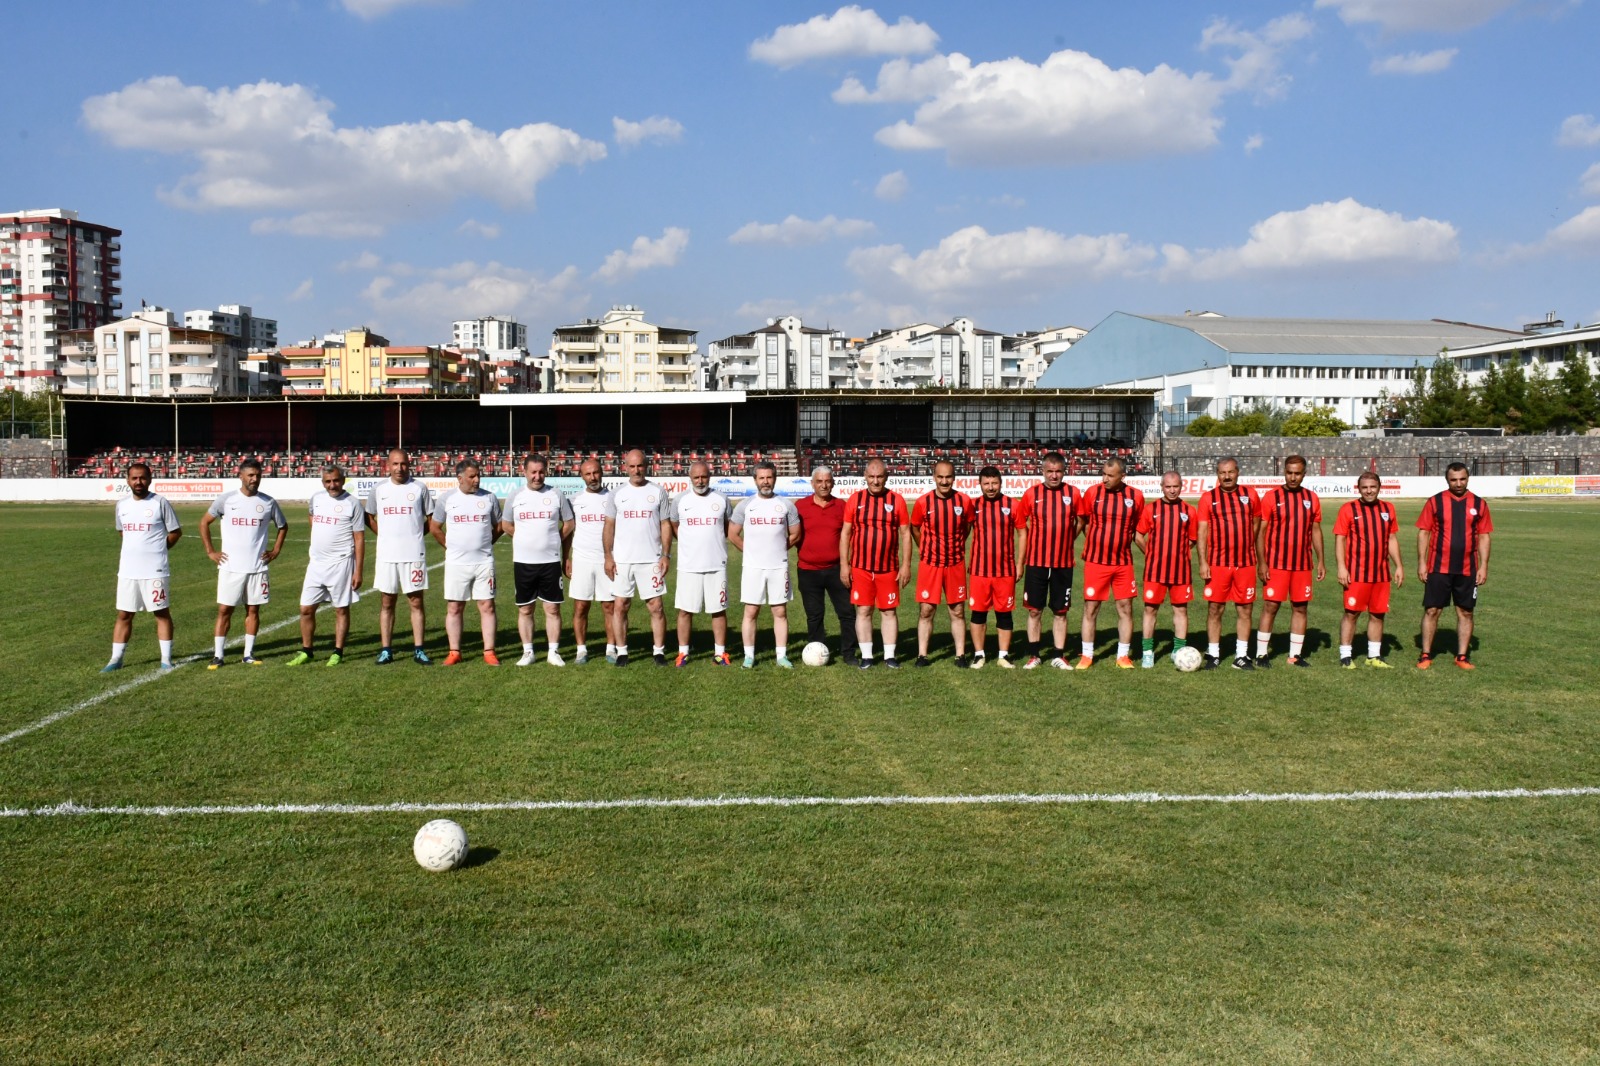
638	547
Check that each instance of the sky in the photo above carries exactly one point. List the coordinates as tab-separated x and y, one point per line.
403	163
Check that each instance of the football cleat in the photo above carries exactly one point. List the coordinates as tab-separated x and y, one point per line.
1348	662
582	658
453	658
1084	662
527	659
1125	663
611	657
1059	663
620	660
167	666
215	663
420	657
978	660
782	662
385	657
1263	663
1243	662
1148	660
1299	661
1004	661
491	659
660	658
334	660
251	660
554	659
722	660
963	663
300	658
893	664
921	661
111	667
1032	664
1211	663
682	659
1379	664
1424	662
864	664
1464	662
749	662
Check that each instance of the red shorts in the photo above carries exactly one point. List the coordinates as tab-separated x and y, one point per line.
1231	584
1101	582
951	581
1370	596
1155	593
1291	585
879	590
992	594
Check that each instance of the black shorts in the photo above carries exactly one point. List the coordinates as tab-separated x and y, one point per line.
1441	589
1047	586
537	581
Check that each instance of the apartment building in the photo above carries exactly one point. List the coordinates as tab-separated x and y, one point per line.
359	361
151	354
237	321
956	355
58	273
784	354
1030	354
623	352
495	333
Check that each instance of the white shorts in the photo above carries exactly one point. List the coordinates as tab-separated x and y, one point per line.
328	582
639	579
395	578
703	593
462	583
589	581
135	594
234	589
764	586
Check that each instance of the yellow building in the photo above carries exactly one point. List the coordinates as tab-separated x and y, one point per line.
364	362
624	353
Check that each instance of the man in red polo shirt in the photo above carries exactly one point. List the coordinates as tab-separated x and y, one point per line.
1167	533
875	554
1049	513
939	524
1366	545
1228	516
1288	542
1453	560
821	521
1110	512
996	552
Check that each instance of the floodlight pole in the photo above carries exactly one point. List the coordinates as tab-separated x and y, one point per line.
174	430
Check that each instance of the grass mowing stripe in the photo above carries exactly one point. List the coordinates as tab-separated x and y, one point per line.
145	679
73	810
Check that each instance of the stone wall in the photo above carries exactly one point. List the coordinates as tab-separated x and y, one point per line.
1402	456
31	458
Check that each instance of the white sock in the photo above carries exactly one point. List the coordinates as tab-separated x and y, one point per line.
553	646
611	649
249	645
622	649
527	647
1297	643
866	649
166	651
1242	648
217	643
1374	649
1000	654
658	649
1214	650
683	649
782	650
1344	651
1263	642
1088	649
721	649
888	651
1122	650
119	650
583	650
749	651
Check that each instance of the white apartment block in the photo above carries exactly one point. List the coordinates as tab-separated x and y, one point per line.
622	352
1544	349
784	354
495	333
57	273
1031	354
236	321
958	355
150	354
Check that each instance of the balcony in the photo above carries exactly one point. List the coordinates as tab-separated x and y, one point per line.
303	370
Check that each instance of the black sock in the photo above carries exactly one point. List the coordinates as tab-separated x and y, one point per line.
1033	647
306	648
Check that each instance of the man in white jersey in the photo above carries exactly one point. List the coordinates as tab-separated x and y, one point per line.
586	566
338	557
638	543
699	520
149	526
466	523
764	527
397	511
242	561
539	521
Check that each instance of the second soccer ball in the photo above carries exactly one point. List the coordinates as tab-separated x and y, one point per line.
815	654
1187	658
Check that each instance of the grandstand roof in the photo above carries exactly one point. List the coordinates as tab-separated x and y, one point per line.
1333	336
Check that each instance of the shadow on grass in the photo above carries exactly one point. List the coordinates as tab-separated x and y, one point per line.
479	856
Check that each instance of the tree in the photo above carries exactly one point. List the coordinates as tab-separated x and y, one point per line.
1317	422
1440	397
1575	406
1202	426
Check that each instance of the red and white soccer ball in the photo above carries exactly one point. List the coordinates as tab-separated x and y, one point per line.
1187	658
815	654
440	845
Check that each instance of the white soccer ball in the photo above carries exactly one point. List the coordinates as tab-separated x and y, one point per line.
815	654
1188	658
440	845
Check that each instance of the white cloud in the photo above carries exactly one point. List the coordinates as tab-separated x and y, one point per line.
1258	64
1590	182
1579	234
645	254
972	260
1579	131
372	9
473	228
274	149
1253	143
467	289
849	31
1406	16
902	81
657	129
1415	62
1327	237
892	186
795	230
303	291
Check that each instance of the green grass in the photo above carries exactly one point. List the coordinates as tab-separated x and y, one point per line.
1446	932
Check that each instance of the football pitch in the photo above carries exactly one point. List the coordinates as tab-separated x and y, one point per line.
1128	903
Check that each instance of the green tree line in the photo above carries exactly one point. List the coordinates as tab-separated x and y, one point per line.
1519	399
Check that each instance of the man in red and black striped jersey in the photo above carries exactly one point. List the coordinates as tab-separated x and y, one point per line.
992	566
1453	560
1366	545
1228	516
875	559
939	524
1168	530
1049	512
1288	558
1110	513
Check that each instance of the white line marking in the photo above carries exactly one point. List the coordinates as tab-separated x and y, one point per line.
145	679
73	810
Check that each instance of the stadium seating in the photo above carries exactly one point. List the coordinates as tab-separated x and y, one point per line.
1010	457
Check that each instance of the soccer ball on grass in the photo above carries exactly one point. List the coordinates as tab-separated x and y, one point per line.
440	845
815	654
1187	659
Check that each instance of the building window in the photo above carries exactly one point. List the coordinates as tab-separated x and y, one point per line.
988	348
376	362
641	338
612	377
333	364
772	344
1238	371
816	345
641	358
613	338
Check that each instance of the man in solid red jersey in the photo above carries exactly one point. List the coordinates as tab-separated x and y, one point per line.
821	522
939	523
1049	513
1228	516
875	559
1167	532
1288	558
1366	545
1110	513
1453	560
992	578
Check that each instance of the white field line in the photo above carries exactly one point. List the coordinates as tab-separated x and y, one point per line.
154	675
1044	799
